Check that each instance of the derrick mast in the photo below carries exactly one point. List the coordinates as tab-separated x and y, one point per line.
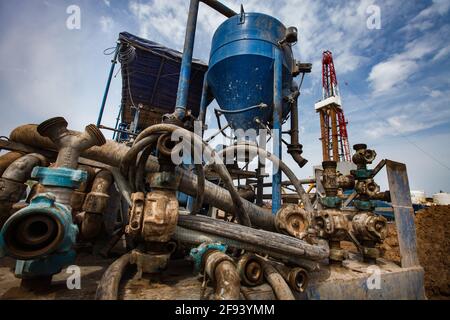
333	126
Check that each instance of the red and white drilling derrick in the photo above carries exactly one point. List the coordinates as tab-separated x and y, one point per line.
335	145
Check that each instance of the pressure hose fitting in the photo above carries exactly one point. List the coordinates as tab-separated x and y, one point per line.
211	259
41	235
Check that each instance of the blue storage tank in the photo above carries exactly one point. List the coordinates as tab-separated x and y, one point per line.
241	68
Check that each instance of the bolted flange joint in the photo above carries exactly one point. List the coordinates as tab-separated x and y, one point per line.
199	253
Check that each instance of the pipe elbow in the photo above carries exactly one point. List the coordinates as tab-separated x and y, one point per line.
20	170
296	155
222	270
70	144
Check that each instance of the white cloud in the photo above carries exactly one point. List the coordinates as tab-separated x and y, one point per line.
394	72
391	74
107	2
425	20
106	23
161	20
442	53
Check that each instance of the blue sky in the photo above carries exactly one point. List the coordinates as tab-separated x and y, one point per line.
394	81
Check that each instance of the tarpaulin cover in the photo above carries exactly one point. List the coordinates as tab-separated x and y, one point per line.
150	78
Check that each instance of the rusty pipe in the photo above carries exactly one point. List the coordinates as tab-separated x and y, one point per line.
112	154
222	271
70	145
7	159
297	278
277	282
250	270
95	205
12	182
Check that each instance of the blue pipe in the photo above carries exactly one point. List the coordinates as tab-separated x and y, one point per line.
108	84
186	62
204	101
277	116
117	121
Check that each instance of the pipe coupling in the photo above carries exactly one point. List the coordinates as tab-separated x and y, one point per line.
59	177
198	254
42	228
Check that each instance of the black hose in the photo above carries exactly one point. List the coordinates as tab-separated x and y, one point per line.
198	202
283	167
221	169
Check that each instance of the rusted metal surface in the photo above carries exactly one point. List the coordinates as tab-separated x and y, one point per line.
69	144
222	271
7	159
95	205
153	218
297	278
112	154
278	284
12	182
403	211
292	220
250	270
148	263
267	241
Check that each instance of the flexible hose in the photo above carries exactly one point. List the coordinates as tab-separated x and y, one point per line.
276	281
218	164
196	238
132	153
108	287
198	203
277	162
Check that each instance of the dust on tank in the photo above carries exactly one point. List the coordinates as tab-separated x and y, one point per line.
241	72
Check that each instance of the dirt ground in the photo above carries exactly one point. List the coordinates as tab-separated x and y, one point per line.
433	244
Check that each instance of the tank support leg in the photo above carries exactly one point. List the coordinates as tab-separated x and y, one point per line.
277	114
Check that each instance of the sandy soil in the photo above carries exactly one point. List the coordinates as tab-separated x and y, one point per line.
433	245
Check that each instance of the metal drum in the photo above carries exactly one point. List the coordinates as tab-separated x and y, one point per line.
242	68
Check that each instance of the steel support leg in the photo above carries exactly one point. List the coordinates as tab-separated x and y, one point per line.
186	63
108	84
277	115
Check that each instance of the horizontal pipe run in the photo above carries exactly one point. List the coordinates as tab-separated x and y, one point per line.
220	7
196	238
112	153
273	242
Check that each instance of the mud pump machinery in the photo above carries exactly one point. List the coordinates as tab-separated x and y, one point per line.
162	188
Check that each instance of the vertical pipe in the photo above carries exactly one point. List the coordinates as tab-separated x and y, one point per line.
334	134
324	133
261	169
277	115
186	63
204	101
108	84
117	121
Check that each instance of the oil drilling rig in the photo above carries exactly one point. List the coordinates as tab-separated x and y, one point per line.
333	126
161	184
